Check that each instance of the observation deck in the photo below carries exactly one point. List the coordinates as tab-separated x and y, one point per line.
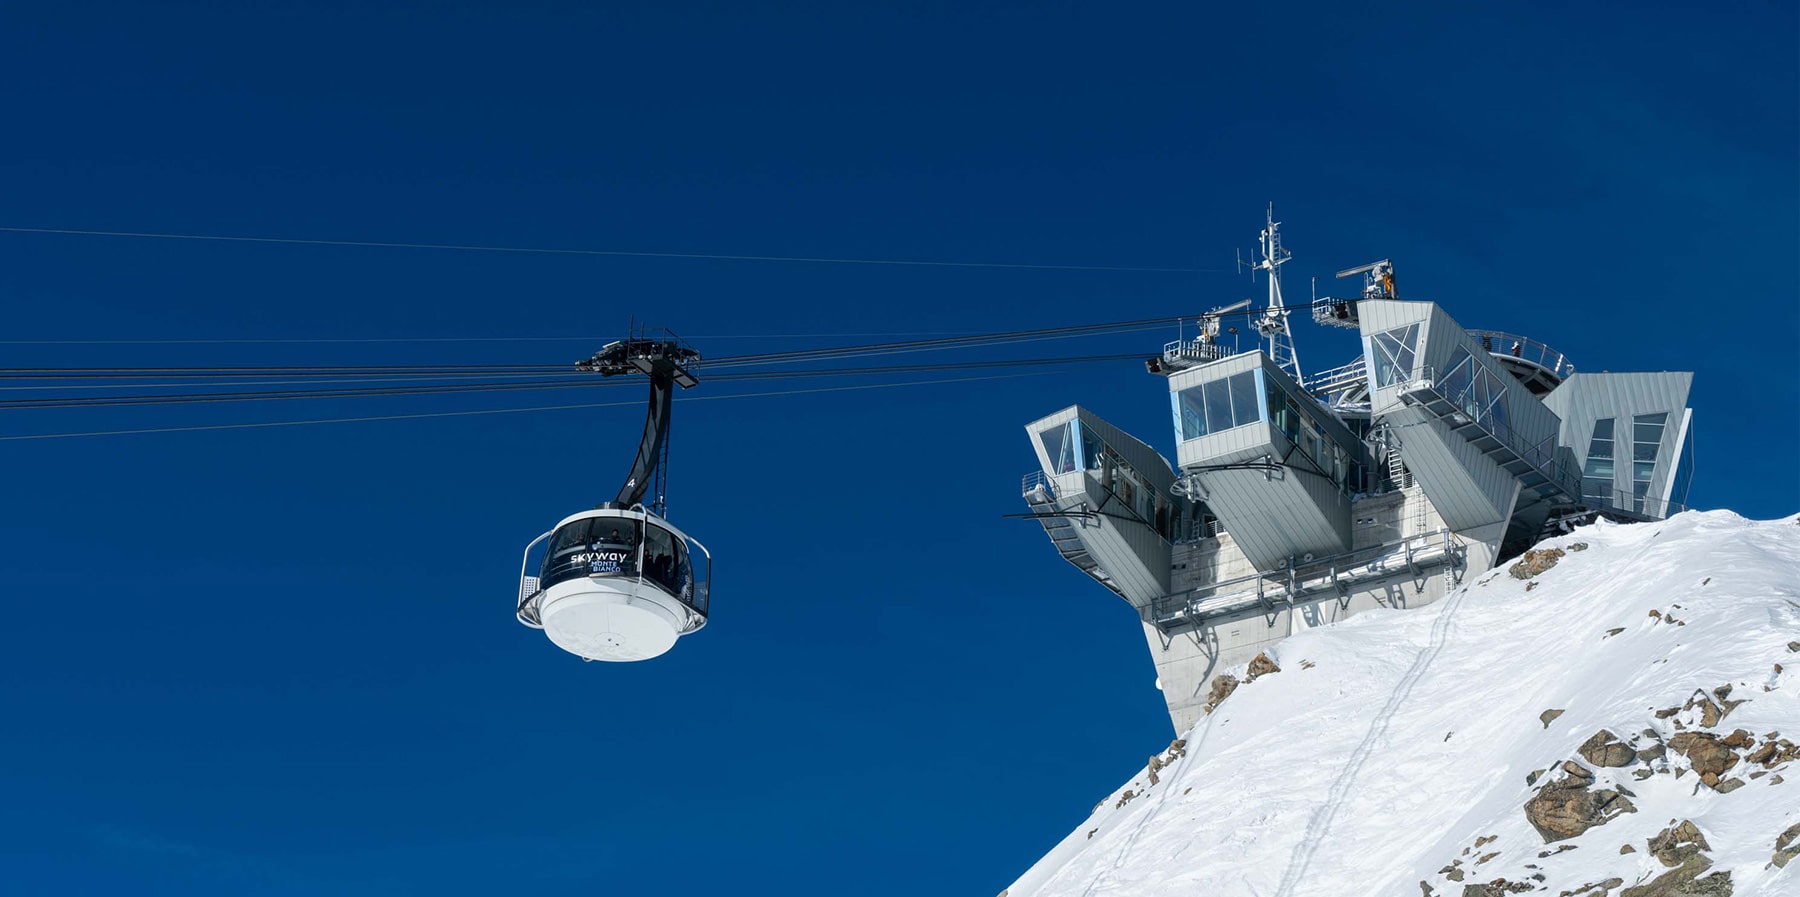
1534	364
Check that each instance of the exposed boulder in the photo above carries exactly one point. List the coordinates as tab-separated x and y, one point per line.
1223	685
1677	844
1565	808
1684	883
1499	887
1787	846
1605	749
1548	717
1682	849
1261	666
1704	751
1534	562
1597	889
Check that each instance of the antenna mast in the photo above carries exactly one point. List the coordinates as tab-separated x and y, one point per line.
1273	325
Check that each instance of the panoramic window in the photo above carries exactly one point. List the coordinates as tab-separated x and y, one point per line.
1218	405
1646	438
1392	352
1597	474
1476	390
1059	447
1090	448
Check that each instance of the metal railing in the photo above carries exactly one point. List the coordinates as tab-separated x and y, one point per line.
1194	351
1330	577
1524	348
1628	501
1339	379
1541	455
1035	483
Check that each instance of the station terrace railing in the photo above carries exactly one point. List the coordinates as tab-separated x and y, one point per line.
1524	348
1300	582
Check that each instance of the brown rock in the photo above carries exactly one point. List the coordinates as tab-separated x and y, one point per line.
1737	738
1678	843
1656	751
1499	887
1643	773
1627	849
1709	778
1615	631
1729	785
1705	751
1566	808
1787	846
1261	666
1710	714
1577	771
1534	562
1776	780
1684	883
1532	776
1598	889
1605	749
1578	546
1794	646
1223	685
1665	714
1549	716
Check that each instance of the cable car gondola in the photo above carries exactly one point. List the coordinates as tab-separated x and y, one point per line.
618	582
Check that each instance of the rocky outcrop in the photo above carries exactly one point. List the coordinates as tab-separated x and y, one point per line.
1548	717
1787	846
1499	887
1567	806
1597	889
1705	752
1534	562
1677	844
1682	849
1261	666
1605	749
1223	685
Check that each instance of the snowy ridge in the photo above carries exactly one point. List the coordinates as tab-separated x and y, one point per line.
1387	746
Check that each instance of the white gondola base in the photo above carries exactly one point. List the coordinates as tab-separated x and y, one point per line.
611	619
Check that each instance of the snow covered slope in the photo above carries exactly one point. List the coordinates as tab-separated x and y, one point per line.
1407	752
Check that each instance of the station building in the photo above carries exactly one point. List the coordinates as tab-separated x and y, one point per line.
1386	482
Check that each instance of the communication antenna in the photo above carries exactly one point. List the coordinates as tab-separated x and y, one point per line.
1273	325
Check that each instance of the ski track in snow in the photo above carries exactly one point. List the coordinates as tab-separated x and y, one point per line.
1272	799
1321	822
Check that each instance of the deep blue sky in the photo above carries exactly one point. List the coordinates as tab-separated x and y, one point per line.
282	661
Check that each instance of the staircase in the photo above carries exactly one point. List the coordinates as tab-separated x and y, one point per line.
1040	496
1536	470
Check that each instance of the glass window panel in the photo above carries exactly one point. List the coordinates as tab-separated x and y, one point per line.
1059	447
1643	451
1193	413
1218	406
1090	448
1641	470
1684	472
1243	399
1457	381
1601	446
1499	412
1599	468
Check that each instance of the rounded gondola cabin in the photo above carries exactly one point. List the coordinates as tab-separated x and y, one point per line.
615	584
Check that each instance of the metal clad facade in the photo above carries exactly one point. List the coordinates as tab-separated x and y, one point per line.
1584	399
